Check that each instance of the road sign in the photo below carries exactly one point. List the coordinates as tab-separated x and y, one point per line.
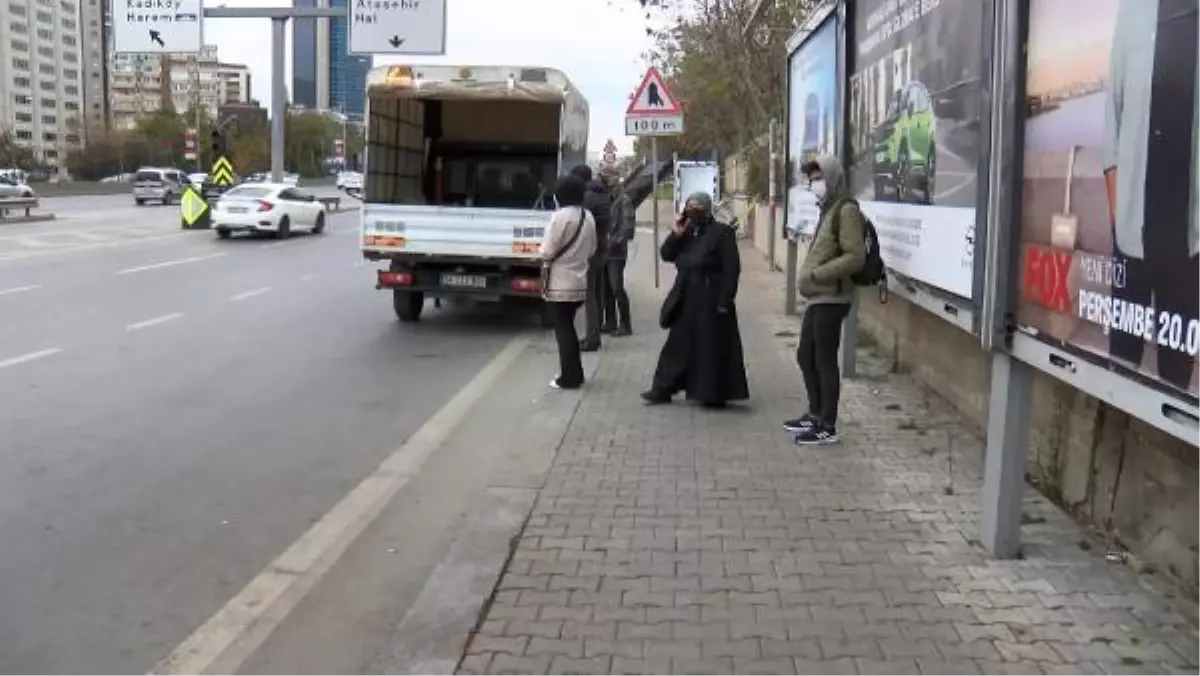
654	125
192	207
157	26
397	26
652	97
653	110
222	171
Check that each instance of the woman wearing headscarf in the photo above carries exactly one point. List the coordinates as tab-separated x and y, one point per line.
567	244
703	352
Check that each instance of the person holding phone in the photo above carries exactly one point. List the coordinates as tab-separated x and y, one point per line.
703	352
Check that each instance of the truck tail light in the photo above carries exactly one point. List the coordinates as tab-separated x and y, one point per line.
526	284
388	278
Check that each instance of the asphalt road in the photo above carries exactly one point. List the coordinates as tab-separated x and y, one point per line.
177	411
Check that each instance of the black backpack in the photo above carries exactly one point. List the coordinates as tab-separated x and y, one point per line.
873	271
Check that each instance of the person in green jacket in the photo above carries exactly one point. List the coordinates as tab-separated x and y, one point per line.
837	252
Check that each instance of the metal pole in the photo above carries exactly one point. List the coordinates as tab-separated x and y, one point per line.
772	195
1004	460
654	203
278	95
196	139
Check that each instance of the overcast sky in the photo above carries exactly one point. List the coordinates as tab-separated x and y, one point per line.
597	43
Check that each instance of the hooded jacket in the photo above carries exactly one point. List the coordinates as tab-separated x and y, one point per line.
598	200
837	249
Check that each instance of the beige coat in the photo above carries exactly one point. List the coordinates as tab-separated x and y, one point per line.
568	273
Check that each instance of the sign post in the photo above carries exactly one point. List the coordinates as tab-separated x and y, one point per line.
653	112
398	27
151	28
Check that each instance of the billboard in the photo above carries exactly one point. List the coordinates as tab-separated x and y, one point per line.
1108	257
914	132
812	118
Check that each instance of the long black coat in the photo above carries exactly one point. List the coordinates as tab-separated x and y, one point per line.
703	352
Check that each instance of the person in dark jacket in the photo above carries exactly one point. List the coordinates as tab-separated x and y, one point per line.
598	201
621	230
703	352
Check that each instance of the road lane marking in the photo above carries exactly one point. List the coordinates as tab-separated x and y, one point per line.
19	289
155	321
23	255
169	264
249	294
13	361
230	637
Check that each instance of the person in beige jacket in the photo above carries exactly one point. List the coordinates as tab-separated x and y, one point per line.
567	245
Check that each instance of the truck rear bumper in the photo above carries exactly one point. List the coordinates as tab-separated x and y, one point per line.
445	279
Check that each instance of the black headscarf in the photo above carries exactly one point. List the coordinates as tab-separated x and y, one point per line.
569	191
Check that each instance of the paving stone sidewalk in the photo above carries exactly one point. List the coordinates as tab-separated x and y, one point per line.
680	540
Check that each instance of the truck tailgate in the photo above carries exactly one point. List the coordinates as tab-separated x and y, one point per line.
452	231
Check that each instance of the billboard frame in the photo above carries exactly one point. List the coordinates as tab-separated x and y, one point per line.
963	313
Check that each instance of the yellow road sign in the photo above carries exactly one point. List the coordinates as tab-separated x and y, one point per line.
192	206
222	171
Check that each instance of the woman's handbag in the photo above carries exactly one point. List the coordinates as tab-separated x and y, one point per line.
549	262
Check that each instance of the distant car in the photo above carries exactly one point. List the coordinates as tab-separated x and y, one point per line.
156	184
350	181
198	179
292	180
275	208
10	188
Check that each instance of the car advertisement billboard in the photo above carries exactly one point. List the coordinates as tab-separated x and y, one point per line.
1108	258
914	131
812	118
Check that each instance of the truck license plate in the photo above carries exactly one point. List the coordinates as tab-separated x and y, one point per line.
471	281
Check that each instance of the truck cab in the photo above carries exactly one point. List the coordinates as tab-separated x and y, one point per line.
461	164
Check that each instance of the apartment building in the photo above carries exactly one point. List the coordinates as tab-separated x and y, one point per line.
42	75
140	84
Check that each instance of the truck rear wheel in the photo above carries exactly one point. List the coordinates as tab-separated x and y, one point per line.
408	305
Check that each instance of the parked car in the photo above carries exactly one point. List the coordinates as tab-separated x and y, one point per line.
275	208
350	181
292	180
10	188
156	184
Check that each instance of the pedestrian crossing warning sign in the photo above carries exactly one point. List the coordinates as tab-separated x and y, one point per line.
652	97
222	171
192	206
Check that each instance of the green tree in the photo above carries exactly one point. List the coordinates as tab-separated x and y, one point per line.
13	154
308	141
163	133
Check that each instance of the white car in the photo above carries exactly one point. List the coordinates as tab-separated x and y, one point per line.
292	180
276	208
349	180
10	188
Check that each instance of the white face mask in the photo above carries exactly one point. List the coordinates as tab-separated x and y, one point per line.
818	189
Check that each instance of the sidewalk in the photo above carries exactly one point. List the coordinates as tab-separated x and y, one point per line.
680	540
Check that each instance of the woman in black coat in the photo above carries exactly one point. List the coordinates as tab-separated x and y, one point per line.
703	352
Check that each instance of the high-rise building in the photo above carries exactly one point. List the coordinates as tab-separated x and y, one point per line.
94	26
42	75
325	76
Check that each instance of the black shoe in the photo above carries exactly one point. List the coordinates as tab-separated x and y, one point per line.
589	345
714	405
804	422
609	330
817	436
622	331
653	396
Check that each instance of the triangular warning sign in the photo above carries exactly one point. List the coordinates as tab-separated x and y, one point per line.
652	97
610	147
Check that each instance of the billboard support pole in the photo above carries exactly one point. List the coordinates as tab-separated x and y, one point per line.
278	95
772	195
1005	460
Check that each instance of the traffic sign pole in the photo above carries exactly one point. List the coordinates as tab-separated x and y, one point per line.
654	203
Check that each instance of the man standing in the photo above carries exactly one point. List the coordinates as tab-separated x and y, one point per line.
599	202
622	230
1152	173
837	251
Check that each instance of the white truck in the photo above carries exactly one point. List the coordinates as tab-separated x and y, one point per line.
461	164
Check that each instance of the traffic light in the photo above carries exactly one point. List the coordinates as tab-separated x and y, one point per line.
218	142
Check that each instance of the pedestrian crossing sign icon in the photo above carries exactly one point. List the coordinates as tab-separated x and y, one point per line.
222	171
192	206
652	97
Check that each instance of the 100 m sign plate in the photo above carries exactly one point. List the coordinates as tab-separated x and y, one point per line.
653	125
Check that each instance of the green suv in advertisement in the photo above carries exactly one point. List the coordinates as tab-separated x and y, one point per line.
905	154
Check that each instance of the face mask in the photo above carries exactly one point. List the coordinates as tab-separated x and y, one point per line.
818	189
